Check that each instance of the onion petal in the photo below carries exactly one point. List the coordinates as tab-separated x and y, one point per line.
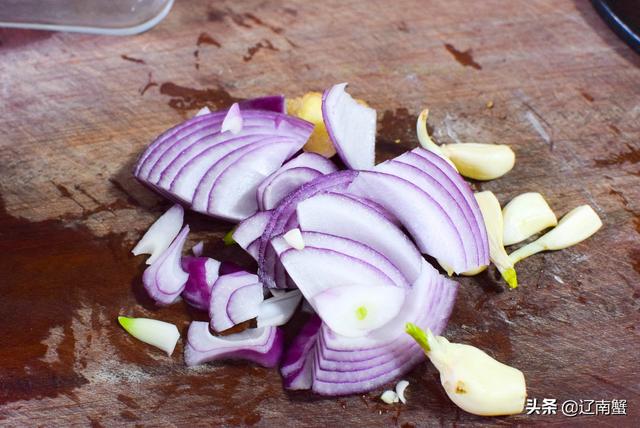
233	120
203	272
262	346
162	335
164	280
278	310
235	298
351	127
161	233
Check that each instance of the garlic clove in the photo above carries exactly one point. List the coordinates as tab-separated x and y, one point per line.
294	239
472	379
309	108
389	397
480	161
492	215
524	216
576	226
162	335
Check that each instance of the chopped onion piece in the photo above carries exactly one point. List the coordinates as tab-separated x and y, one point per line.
576	226
279	309
480	161
203	272
351	127
197	249
524	216
355	310
161	233
294	239
261	345
490	208
204	110
473	380
233	120
235	298
164	280
389	397
162	335
400	387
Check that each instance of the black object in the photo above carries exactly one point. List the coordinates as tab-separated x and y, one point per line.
623	16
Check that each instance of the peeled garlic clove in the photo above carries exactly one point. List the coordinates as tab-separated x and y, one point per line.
524	216
576	226
309	108
156	333
492	215
480	161
473	380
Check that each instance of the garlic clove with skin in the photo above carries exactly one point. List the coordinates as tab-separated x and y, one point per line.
473	380
576	226
492	215
480	161
524	216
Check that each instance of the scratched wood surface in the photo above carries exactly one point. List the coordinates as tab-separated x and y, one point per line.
75	110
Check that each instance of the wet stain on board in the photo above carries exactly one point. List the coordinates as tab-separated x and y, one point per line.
262	44
464	58
587	96
184	99
203	39
244	20
150	84
396	133
630	156
132	59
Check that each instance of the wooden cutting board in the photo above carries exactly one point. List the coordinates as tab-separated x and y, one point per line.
546	77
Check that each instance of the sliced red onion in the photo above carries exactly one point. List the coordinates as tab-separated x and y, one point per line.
283	219
203	272
278	310
262	346
457	180
164	280
307	160
203	120
275	103
179	164
198	249
355	310
297	362
424	218
450	203
160	235
233	120
315	270
204	110
269	196
232	195
235	298
351	127
249	231
348	247
343	216
227	268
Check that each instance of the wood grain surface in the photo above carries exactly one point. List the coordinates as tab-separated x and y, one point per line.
75	110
